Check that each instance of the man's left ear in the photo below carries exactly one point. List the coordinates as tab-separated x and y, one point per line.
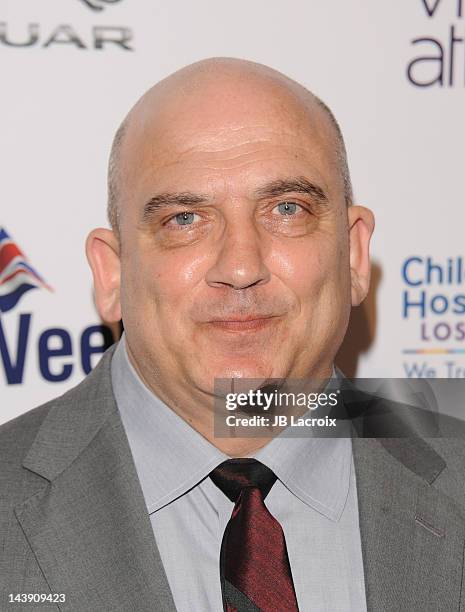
361	226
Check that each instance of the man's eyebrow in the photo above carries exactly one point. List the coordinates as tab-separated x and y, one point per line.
300	184
165	200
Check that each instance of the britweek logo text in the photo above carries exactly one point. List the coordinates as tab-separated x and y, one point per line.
65	35
56	351
440	56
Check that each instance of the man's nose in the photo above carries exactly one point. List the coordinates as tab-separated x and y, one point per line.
239	261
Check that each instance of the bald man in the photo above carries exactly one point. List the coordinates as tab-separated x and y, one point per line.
235	252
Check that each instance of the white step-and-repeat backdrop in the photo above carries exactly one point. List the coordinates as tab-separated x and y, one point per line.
392	71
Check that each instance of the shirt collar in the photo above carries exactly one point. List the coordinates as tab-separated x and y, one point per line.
171	457
316	469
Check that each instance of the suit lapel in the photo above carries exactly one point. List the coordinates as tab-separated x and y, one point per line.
88	526
412	534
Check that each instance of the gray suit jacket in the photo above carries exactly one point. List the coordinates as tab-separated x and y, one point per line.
73	518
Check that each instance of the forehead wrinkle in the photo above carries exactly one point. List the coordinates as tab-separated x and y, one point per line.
231	156
181	145
219	174
216	139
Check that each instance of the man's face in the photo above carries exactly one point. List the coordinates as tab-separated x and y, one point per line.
234	258
232	217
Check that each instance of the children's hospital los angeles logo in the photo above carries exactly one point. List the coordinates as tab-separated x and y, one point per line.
57	352
433	315
16	34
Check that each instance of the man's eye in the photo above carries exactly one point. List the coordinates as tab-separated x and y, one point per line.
184	218
287	208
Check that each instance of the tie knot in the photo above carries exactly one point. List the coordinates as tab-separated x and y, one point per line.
233	475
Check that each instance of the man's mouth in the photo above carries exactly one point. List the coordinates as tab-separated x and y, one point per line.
248	323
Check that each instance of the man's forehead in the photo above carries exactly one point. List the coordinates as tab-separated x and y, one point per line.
229	148
229	162
211	110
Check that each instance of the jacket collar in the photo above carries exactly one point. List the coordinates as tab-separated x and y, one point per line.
72	422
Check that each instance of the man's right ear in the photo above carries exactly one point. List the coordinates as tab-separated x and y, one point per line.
103	255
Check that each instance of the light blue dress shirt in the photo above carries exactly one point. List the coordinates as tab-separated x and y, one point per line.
314	499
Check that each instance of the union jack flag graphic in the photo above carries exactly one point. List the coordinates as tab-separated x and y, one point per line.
16	274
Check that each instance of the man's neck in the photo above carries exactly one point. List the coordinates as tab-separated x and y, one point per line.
193	412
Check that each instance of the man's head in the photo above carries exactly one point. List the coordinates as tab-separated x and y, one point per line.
230	199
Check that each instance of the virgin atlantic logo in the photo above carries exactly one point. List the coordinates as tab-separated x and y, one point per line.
99	5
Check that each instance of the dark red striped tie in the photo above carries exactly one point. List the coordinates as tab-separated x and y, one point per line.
254	566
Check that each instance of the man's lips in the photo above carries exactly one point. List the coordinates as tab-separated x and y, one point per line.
249	323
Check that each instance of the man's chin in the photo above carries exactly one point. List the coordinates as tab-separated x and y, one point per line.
252	376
